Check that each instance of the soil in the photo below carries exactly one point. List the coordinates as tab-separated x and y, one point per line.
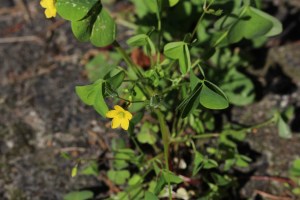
41	116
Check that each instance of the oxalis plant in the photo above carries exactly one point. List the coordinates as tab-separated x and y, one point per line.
172	106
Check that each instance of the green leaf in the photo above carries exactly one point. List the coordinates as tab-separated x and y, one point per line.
185	60
118	177
171	177
151	47
173	2
230	137
179	51
242	161
295	169
221	180
194	80
174	50
79	195
91	169
276	24
239	88
283	129
89	21
249	23
65	155
147	134
212	97
296	191
209	163
101	65
191	102
138	40
160	184
74	10
92	95
151	4
163	180
104	30
150	196
116	80
228	164
135	179
122	157
74	171
198	162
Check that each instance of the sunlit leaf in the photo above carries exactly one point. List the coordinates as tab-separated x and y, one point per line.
89	21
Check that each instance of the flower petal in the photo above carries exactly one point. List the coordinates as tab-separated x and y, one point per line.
116	122
119	108
111	114
50	12
128	115
44	3
125	124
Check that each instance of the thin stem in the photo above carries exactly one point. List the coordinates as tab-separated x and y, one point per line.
202	136
173	87
136	143
158	15
147	91
205	8
166	138
122	22
127	59
262	124
195	63
129	100
208	135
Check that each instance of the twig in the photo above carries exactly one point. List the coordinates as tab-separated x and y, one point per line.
31	38
112	187
68	149
15	78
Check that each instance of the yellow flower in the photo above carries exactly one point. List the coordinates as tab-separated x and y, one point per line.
50	7
120	117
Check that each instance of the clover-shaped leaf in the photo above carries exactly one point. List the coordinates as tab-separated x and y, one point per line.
89	20
92	95
147	134
249	23
118	177
179	51
212	97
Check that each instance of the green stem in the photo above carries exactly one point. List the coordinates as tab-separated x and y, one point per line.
202	136
127	59
166	138
201	18
172	88
147	91
158	15
136	143
122	22
129	100
262	124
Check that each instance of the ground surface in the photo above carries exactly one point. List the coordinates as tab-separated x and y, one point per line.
41	116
